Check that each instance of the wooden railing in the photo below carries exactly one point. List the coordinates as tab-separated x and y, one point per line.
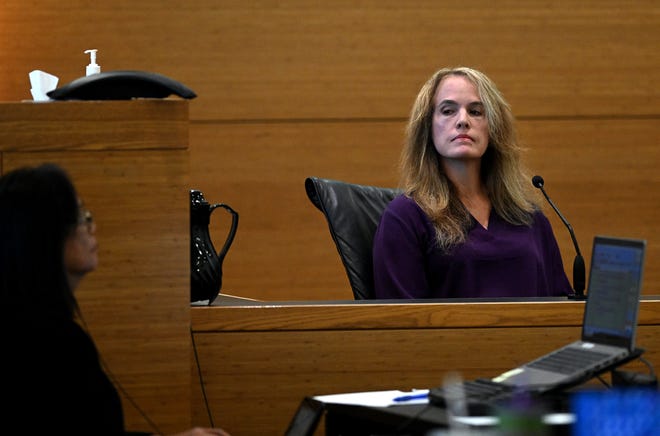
258	360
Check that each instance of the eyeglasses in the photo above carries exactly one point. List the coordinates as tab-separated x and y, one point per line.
85	217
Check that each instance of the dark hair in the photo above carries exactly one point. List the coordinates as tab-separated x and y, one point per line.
38	211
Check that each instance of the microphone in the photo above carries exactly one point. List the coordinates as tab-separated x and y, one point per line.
578	264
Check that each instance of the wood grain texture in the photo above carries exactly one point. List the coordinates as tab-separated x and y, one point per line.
283	249
289	89
433	314
268	358
96	125
347	59
136	303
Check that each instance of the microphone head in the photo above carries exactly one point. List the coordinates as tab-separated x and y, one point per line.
537	181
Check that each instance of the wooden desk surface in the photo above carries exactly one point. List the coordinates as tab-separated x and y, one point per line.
259	360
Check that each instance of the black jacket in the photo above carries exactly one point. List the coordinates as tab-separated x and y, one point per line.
53	380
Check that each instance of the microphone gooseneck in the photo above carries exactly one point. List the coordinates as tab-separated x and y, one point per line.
579	270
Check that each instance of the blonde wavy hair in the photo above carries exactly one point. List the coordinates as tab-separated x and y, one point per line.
502	172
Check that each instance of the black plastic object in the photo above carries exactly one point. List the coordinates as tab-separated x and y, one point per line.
205	262
121	85
353	212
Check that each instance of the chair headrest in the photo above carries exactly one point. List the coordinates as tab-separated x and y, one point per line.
353	212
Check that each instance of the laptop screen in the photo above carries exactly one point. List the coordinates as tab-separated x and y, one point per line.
615	282
619	411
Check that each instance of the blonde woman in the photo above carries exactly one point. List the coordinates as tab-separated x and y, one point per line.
468	224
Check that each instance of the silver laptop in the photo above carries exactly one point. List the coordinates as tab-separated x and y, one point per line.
609	324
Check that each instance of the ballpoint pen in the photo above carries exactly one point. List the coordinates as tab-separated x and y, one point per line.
411	397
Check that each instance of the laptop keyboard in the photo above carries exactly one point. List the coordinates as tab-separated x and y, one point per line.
568	360
481	390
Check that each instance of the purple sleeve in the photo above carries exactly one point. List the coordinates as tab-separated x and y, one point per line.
400	246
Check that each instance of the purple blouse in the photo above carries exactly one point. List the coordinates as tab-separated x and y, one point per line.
504	260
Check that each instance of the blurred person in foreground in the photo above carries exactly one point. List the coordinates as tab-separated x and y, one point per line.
53	378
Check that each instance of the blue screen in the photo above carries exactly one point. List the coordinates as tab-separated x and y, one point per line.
618	411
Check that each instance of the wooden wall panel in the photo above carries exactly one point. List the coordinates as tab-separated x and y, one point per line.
277	79
347	59
603	176
283	249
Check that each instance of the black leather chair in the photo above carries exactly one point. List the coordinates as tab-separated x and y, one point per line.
353	212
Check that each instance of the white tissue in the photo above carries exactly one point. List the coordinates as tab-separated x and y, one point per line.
42	83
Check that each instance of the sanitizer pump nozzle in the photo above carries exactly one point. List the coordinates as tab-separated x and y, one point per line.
93	67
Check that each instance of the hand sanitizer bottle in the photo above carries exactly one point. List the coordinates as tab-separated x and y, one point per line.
93	67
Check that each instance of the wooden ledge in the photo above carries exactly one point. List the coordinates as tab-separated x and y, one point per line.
358	316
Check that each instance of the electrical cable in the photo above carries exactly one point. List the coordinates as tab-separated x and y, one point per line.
648	365
201	378
118	385
603	381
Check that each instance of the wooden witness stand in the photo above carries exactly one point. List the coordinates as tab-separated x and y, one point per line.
259	360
